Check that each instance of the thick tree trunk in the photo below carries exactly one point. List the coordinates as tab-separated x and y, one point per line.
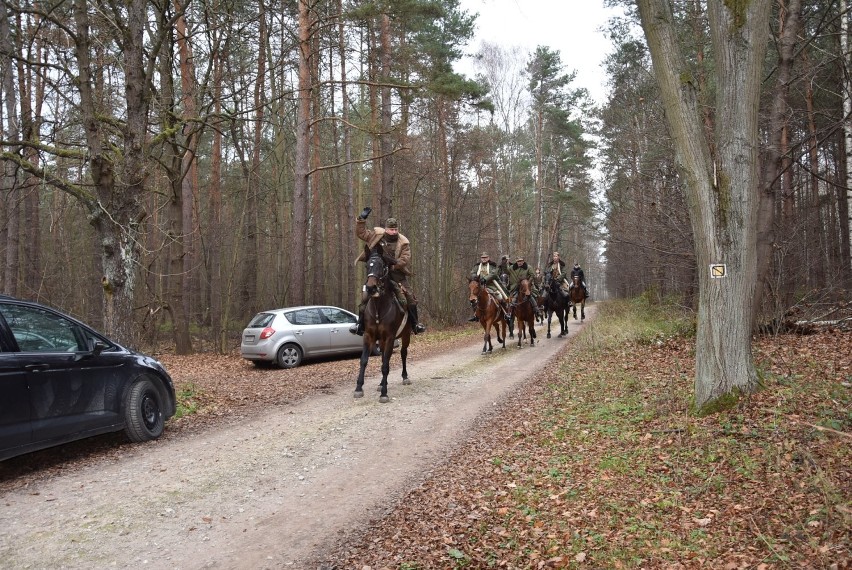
121	188
721	188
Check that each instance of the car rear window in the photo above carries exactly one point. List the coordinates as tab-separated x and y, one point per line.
261	320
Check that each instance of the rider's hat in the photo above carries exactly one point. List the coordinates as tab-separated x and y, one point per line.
484	254
519	258
392	223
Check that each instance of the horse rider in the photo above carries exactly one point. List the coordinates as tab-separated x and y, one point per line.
486	273
518	271
538	279
503	269
391	241
578	271
556	269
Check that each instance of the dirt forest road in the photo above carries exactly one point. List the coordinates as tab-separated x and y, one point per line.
272	491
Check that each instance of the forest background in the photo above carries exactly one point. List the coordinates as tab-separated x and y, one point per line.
172	168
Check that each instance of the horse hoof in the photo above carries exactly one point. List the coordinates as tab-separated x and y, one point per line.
384	399
406	382
359	393
548	335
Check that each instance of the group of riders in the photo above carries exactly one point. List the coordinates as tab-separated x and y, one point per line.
501	280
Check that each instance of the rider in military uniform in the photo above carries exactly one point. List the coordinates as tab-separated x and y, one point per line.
517	272
486	272
397	245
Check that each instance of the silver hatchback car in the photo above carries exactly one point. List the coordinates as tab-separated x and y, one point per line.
287	336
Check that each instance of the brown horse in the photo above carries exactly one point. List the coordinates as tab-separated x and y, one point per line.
385	320
523	313
578	297
490	314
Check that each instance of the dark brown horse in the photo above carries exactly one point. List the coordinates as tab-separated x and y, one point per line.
385	320
578	297
557	304
490	314
523	313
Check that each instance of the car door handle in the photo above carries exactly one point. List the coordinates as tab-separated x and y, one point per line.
36	367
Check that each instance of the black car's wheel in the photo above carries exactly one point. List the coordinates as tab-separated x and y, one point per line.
143	415
289	356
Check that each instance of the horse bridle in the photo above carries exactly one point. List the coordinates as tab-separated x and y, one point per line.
377	269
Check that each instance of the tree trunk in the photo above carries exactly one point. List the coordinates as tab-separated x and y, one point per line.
118	228
302	159
774	163
721	188
347	222
847	128
189	178
387	141
9	191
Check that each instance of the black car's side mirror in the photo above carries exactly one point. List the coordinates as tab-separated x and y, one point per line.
98	347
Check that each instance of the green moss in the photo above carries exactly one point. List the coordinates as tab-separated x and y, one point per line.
738	10
724	402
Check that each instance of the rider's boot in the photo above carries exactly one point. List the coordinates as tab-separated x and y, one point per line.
585	292
473	319
536	310
416	327
358	328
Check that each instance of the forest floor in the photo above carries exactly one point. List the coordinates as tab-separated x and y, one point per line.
571	454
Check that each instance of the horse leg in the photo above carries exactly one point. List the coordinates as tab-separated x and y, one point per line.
403	355
383	398
549	316
365	357
583	311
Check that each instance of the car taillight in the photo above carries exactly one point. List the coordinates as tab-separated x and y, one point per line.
266	333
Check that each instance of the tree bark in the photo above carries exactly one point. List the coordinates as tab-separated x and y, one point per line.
122	187
777	157
10	192
847	126
302	158
722	187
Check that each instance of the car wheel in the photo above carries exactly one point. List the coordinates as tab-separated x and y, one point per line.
289	356
143	413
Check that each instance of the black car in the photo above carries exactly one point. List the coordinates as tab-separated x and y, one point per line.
62	381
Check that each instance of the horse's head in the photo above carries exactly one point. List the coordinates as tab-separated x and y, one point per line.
473	289
524	288
576	280
377	269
